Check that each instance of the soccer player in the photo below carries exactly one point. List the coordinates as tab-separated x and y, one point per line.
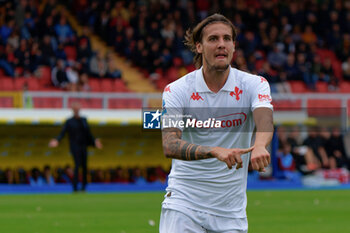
207	184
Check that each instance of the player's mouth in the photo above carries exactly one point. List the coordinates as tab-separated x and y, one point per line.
221	55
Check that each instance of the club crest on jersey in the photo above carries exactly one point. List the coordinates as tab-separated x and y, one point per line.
236	93
196	96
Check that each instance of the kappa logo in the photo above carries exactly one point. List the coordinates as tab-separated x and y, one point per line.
167	89
262	79
236	93
196	96
264	97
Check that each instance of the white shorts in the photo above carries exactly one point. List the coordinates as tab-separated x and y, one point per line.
174	221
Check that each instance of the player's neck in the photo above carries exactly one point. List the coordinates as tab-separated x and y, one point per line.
215	79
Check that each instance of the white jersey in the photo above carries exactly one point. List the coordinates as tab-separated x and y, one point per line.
208	185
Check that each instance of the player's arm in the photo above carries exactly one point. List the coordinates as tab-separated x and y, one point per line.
54	142
260	157
176	148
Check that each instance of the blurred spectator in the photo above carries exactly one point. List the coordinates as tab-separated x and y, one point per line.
304	71
59	75
112	70
277	58
48	54
6	30
65	175
46	27
286	162
4	63
98	65
270	75
73	76
36	178
316	155
83	84
327	75
290	68
60	53
138	177
64	32
298	151
13	39
336	150
98	176
48	177
84	51
309	37
120	175
20	13
10	176
346	69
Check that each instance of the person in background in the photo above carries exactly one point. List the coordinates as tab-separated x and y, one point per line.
80	138
48	177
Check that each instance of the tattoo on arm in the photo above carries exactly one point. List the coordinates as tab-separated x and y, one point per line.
175	147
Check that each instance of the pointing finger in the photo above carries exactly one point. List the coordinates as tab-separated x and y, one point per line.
244	151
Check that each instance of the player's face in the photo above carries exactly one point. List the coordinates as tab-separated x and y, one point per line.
217	46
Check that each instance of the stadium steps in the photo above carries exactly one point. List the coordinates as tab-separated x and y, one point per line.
134	79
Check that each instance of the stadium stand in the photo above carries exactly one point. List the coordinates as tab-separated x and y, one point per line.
301	48
269	32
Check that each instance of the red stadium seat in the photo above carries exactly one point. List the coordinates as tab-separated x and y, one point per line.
20	83
7	84
119	86
107	85
94	84
345	87
33	84
322	87
162	83
71	53
45	76
172	74
298	86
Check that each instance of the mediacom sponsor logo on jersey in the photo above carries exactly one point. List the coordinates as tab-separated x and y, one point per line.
226	121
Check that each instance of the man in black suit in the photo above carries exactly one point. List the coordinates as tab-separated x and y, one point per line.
80	138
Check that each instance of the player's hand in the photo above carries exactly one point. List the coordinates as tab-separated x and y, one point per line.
260	158
231	156
53	143
98	143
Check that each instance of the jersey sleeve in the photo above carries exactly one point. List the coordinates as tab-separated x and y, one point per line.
260	94
172	107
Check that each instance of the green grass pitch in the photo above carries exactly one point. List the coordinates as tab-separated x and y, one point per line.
268	212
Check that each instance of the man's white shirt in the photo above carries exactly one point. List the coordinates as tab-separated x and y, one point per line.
208	185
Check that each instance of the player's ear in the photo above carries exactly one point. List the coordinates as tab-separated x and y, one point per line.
199	47
234	46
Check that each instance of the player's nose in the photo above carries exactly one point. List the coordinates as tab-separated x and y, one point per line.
221	43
